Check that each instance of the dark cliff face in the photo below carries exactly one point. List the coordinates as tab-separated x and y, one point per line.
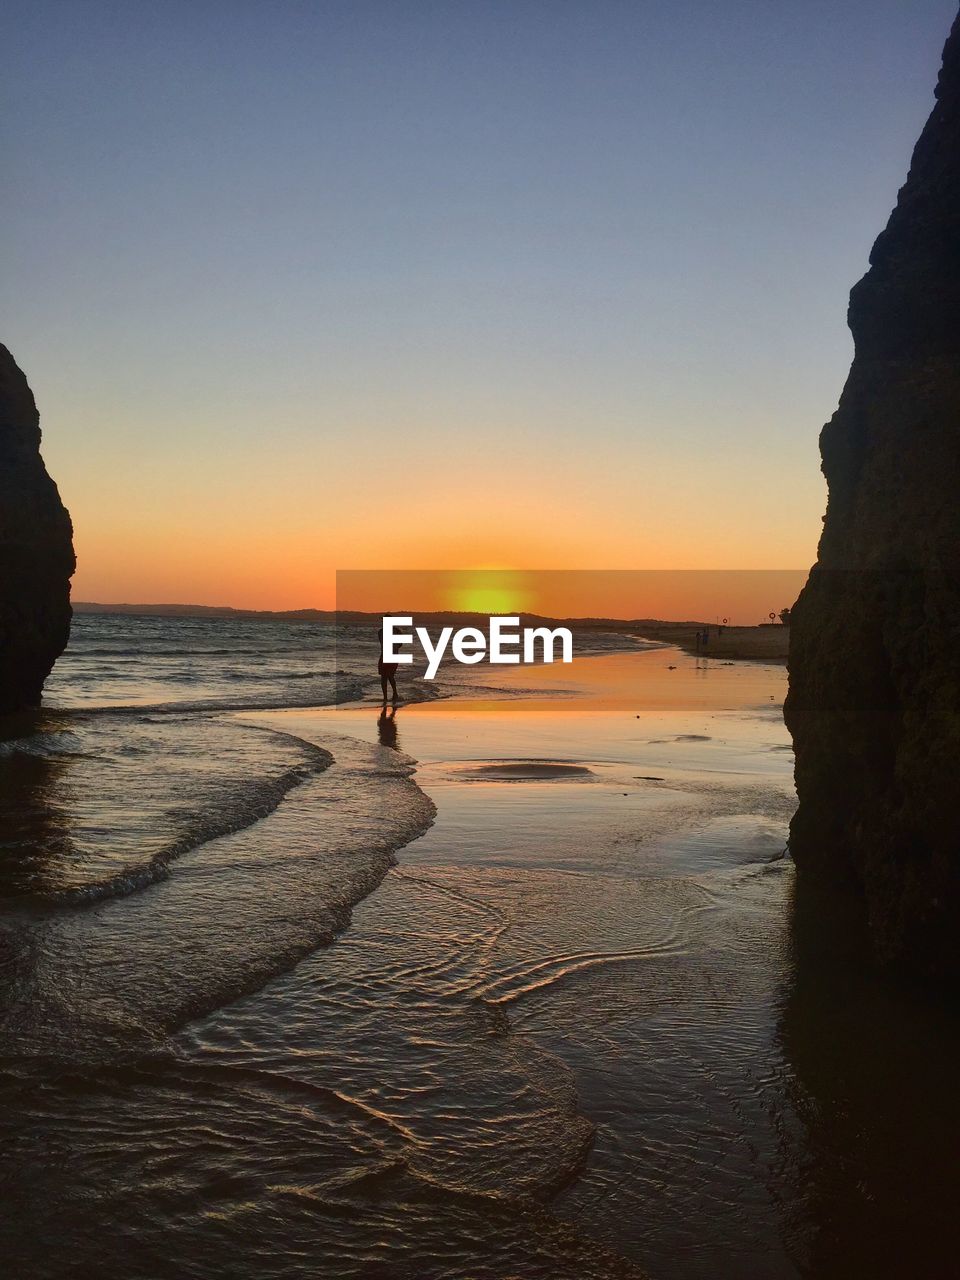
36	550
874	701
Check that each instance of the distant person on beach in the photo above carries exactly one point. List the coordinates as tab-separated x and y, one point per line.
387	727
388	671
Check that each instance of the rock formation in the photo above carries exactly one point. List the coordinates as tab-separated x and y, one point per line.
874	701
36	550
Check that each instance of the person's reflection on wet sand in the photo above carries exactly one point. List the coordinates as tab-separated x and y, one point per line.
387	728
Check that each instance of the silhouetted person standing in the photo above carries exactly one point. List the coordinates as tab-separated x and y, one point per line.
388	672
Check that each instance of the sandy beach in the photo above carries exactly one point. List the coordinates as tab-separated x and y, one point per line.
756	644
607	857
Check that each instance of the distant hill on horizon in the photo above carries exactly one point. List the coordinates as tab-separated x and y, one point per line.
333	615
198	610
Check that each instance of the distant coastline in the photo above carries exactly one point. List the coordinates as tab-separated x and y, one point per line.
200	611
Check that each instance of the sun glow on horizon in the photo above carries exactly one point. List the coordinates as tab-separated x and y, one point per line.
740	597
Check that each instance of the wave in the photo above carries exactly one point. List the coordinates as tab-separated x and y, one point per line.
238	909
103	805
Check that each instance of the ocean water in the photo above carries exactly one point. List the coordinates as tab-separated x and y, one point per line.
187	663
506	984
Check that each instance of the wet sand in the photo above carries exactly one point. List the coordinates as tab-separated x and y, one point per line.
606	875
574	1028
730	1102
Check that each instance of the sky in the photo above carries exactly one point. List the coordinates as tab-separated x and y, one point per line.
306	286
